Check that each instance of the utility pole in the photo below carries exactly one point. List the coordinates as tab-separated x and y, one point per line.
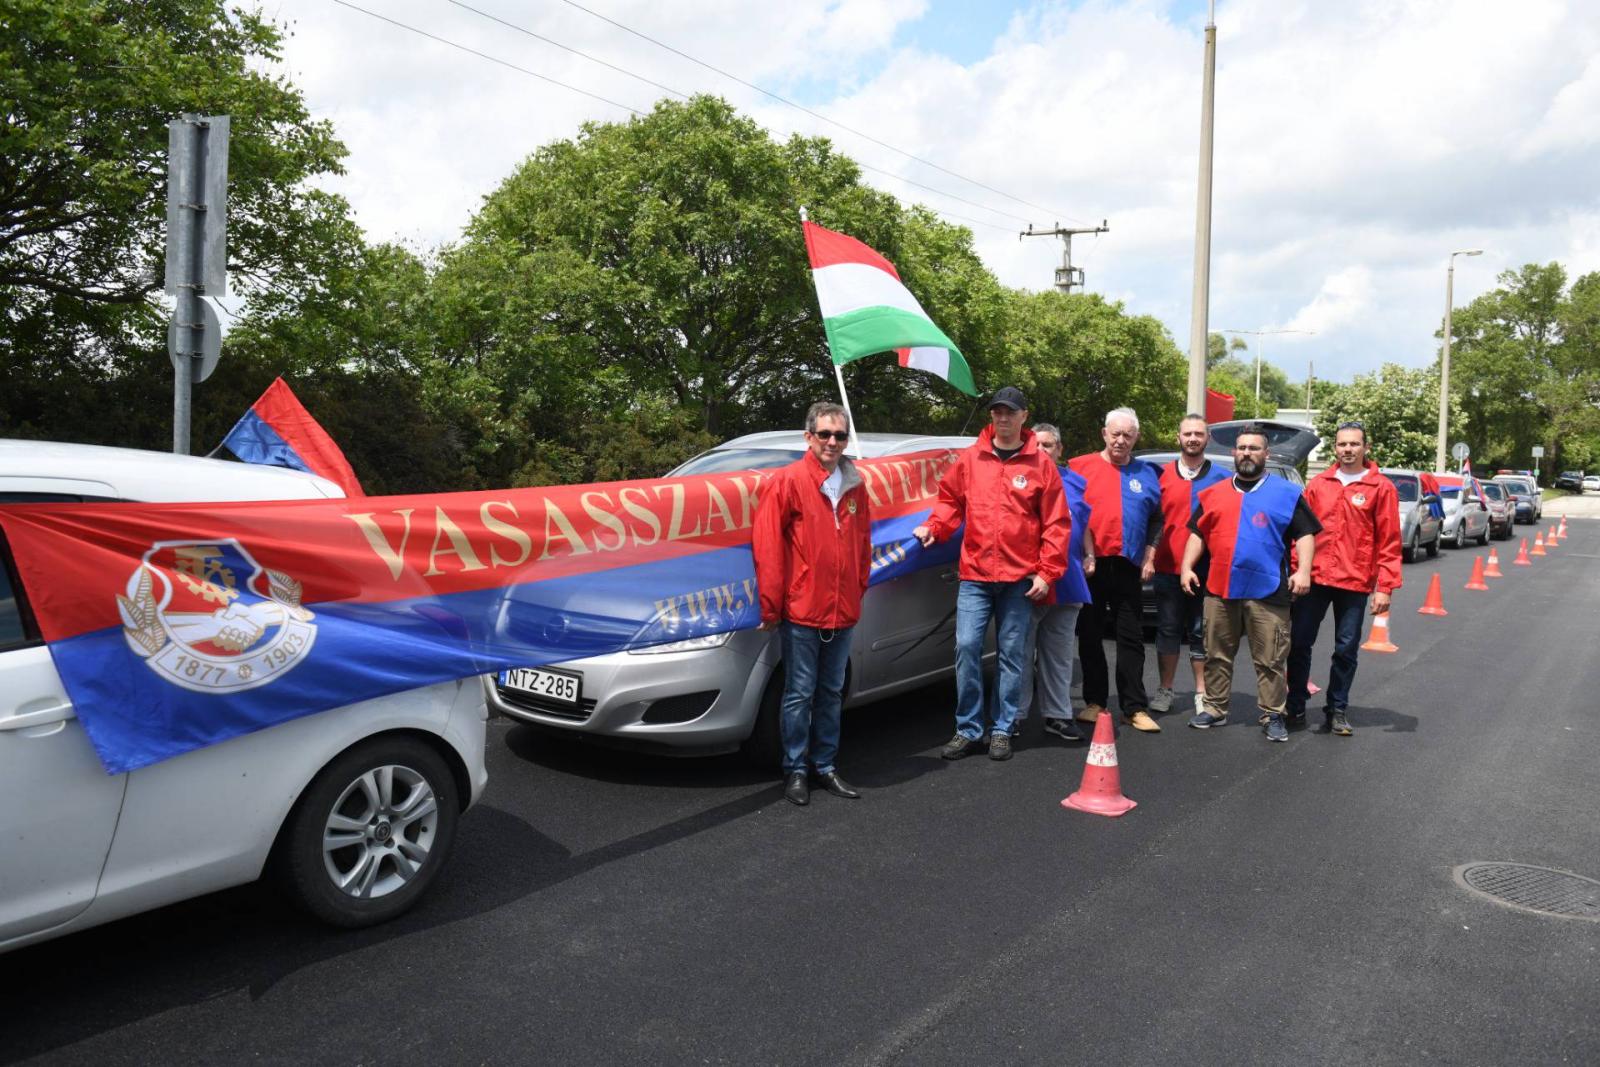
1199	329
1444	359
1067	275
1258	335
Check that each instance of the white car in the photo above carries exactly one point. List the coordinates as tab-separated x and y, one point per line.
354	808
1591	483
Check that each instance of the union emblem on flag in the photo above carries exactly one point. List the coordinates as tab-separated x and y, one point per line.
206	616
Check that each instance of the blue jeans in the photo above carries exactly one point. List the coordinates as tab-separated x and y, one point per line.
1179	616
1349	608
814	662
976	604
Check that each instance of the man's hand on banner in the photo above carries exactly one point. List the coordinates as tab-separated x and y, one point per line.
923	534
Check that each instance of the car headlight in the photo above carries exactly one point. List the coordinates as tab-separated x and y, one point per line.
691	644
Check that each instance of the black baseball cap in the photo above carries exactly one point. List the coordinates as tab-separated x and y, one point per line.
1009	396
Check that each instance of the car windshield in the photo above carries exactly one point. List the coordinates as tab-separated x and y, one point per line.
1406	488
1518	487
722	460
1493	491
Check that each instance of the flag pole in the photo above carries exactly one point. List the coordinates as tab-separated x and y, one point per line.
854	447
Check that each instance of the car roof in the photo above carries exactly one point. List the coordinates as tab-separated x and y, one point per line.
1286	440
59	467
1161	459
871	444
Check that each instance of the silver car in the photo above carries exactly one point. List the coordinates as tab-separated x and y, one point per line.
718	693
1466	517
1420	525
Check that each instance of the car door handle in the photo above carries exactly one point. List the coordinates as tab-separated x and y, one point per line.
59	713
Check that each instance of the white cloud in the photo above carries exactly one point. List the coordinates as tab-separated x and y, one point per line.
1357	143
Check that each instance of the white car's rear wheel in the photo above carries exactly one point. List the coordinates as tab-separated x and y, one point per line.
370	832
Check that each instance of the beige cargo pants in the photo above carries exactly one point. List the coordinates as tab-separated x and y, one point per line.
1266	626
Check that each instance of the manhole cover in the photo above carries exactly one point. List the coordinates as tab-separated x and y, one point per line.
1537	889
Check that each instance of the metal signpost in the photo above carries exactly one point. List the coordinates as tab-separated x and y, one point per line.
1538	454
197	254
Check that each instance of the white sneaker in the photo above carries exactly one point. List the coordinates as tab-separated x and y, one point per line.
1162	701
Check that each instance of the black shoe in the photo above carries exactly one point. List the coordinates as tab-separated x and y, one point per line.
1295	719
999	746
1276	728
795	790
1065	729
836	785
958	747
1339	725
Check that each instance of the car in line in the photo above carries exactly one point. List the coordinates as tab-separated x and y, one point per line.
1570	480
1466	514
353	809
1591	484
1525	495
1421	512
1502	512
1288	445
722	692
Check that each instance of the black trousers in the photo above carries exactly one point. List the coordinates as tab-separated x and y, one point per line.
1117	609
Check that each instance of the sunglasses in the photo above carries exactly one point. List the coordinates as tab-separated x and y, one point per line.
831	435
1354	424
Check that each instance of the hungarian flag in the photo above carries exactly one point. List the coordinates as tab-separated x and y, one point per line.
866	310
278	431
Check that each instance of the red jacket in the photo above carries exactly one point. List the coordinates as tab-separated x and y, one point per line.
1015	512
1359	546
812	562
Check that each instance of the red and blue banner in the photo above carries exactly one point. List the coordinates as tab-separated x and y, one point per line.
278	431
175	626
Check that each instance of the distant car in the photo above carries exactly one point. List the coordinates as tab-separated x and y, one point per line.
1525	494
1466	513
1591	483
722	692
1502	512
1288	445
1421	513
355	808
1572	480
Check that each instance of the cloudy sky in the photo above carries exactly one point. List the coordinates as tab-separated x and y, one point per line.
1358	142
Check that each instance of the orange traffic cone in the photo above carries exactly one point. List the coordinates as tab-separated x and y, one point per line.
1101	790
1522	559
1550	542
1538	545
1563	530
1312	688
1378	640
1433	603
1493	569
1477	581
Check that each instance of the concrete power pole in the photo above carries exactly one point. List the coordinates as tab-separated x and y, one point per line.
1067	275
1199	326
197	254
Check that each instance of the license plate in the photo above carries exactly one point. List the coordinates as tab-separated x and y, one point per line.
558	686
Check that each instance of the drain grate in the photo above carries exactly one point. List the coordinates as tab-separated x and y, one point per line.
1537	889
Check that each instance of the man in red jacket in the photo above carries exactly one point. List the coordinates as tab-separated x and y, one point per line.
1358	555
812	541
1009	496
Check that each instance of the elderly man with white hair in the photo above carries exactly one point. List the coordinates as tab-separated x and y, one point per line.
1124	498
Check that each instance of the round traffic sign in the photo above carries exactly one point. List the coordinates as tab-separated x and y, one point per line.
1460	450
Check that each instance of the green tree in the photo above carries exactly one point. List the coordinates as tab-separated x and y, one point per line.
1078	356
88	88
1399	407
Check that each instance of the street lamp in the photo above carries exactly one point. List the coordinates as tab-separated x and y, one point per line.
1258	334
1444	362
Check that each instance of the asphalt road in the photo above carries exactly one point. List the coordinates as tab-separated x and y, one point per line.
1263	903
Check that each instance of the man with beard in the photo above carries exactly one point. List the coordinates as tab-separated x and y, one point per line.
1124	497
1248	524
1358	554
1179	615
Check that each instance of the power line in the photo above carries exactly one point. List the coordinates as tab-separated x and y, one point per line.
684	96
814	114
658	85
485	55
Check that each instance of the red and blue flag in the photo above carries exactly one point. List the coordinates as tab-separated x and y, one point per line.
278	431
